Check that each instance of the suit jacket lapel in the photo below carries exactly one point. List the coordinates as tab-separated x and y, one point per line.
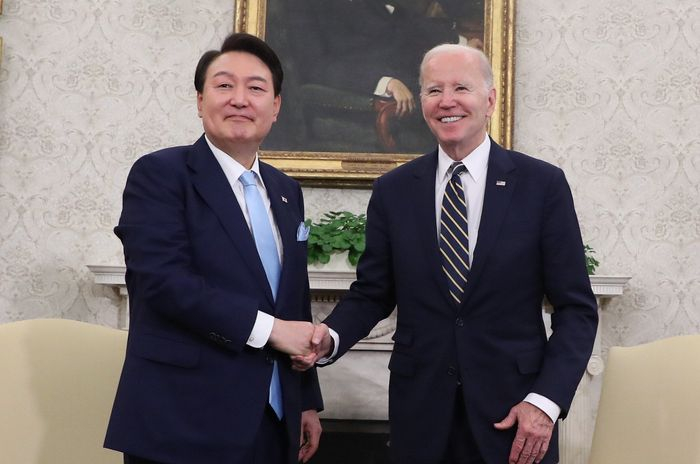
210	181
424	204
501	180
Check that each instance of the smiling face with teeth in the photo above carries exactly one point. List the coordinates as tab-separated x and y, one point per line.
457	97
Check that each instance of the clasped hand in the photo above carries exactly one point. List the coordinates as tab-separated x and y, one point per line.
305	342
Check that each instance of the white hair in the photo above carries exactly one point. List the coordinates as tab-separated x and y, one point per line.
466	50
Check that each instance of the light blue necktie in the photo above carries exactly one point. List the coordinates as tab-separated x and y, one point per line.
267	250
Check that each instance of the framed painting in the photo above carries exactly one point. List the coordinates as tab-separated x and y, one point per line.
350	103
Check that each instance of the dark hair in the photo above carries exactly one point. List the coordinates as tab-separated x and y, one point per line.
242	42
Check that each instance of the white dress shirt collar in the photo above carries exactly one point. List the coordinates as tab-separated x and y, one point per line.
232	168
476	162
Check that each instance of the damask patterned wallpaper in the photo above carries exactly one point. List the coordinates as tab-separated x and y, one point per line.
609	91
86	87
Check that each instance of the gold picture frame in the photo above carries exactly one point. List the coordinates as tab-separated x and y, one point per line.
355	169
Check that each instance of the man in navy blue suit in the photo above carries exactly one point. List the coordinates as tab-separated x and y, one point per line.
215	251
466	242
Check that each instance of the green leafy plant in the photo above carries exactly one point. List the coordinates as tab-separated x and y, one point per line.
340	231
591	262
336	232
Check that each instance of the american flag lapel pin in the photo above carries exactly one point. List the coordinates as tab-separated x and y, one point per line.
500	183
284	199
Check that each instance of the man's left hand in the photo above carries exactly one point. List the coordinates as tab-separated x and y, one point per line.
533	435
310	434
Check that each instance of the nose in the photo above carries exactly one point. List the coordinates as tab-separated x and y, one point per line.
238	97
447	99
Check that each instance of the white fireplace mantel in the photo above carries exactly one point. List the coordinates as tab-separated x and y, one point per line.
355	387
327	285
113	276
334	280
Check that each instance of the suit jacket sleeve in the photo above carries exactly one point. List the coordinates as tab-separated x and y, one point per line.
157	249
568	289
371	297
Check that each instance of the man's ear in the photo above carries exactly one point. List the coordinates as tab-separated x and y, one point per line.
492	102
199	104
277	104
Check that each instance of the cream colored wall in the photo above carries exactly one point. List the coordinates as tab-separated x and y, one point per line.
610	91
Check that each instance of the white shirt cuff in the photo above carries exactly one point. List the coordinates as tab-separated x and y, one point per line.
336	341
547	406
381	90
261	330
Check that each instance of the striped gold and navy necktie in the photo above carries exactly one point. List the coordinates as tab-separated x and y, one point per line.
454	235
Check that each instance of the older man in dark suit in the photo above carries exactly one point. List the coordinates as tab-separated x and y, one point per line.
466	242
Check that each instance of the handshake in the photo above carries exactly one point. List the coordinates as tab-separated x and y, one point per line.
303	341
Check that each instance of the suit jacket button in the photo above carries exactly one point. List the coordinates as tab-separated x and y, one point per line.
451	370
459	322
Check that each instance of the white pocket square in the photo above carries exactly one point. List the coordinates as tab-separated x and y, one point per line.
303	232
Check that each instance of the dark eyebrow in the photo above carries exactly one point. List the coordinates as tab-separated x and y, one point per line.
251	78
257	79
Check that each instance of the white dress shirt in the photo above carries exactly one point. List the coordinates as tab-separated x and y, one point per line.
233	170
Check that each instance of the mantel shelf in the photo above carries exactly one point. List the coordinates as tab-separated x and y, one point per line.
319	279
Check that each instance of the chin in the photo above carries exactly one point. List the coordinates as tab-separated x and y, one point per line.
450	140
239	138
